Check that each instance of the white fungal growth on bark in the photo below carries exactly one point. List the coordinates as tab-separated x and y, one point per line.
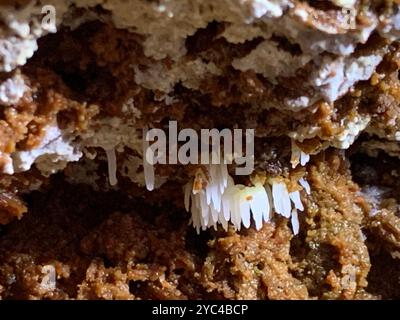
213	198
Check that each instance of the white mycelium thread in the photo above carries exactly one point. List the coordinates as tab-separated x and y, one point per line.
112	166
148	175
213	197
148	168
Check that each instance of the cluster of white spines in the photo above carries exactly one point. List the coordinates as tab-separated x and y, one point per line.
214	198
298	156
204	196
242	201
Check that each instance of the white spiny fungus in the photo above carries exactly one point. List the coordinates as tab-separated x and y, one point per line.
298	156
243	202
281	199
206	195
213	198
